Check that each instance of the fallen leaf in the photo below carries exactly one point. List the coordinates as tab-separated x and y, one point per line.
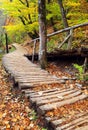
14	120
1	114
7	126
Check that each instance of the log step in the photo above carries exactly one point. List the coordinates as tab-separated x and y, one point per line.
55	98
50	106
70	123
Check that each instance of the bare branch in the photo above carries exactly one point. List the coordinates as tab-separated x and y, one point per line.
22	2
27	3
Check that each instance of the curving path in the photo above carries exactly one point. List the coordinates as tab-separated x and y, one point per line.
28	75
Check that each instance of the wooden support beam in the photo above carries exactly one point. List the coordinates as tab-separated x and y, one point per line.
70	39
64	41
34	50
85	64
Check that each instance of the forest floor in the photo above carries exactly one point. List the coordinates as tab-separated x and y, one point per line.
15	110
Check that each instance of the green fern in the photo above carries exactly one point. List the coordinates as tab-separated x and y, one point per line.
80	71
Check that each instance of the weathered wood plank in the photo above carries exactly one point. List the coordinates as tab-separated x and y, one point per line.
57	122
48	92
53	96
36	80
52	93
74	123
82	128
59	98
34	84
47	107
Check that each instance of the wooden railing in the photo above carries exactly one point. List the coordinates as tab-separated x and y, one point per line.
70	29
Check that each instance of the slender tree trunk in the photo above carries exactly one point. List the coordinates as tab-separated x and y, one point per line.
65	23
42	33
6	38
52	20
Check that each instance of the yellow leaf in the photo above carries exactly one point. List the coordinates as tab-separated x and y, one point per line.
8	126
14	119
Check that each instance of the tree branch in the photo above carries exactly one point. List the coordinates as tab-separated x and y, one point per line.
22	20
22	2
27	3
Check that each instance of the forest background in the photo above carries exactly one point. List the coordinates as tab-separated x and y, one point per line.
20	20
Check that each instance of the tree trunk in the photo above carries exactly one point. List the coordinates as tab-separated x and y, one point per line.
63	14
64	19
52	20
42	33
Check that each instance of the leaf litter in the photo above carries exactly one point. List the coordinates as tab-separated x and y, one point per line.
15	111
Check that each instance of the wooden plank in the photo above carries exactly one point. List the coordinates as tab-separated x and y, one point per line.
48	92
28	85
47	107
36	83
19	76
57	99
57	122
14	64
52	95
29	94
28	77
74	123
82	128
48	98
36	80
25	70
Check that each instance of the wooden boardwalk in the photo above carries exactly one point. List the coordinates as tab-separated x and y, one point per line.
53	99
24	72
28	75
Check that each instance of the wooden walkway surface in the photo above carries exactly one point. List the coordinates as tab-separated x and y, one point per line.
24	72
29	75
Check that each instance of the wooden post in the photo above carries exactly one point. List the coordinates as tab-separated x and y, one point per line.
34	50
6	38
85	64
70	39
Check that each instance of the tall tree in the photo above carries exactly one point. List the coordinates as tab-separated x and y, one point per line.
52	20
65	23
42	33
24	14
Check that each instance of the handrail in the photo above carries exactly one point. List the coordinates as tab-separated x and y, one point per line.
67	29
55	33
60	31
